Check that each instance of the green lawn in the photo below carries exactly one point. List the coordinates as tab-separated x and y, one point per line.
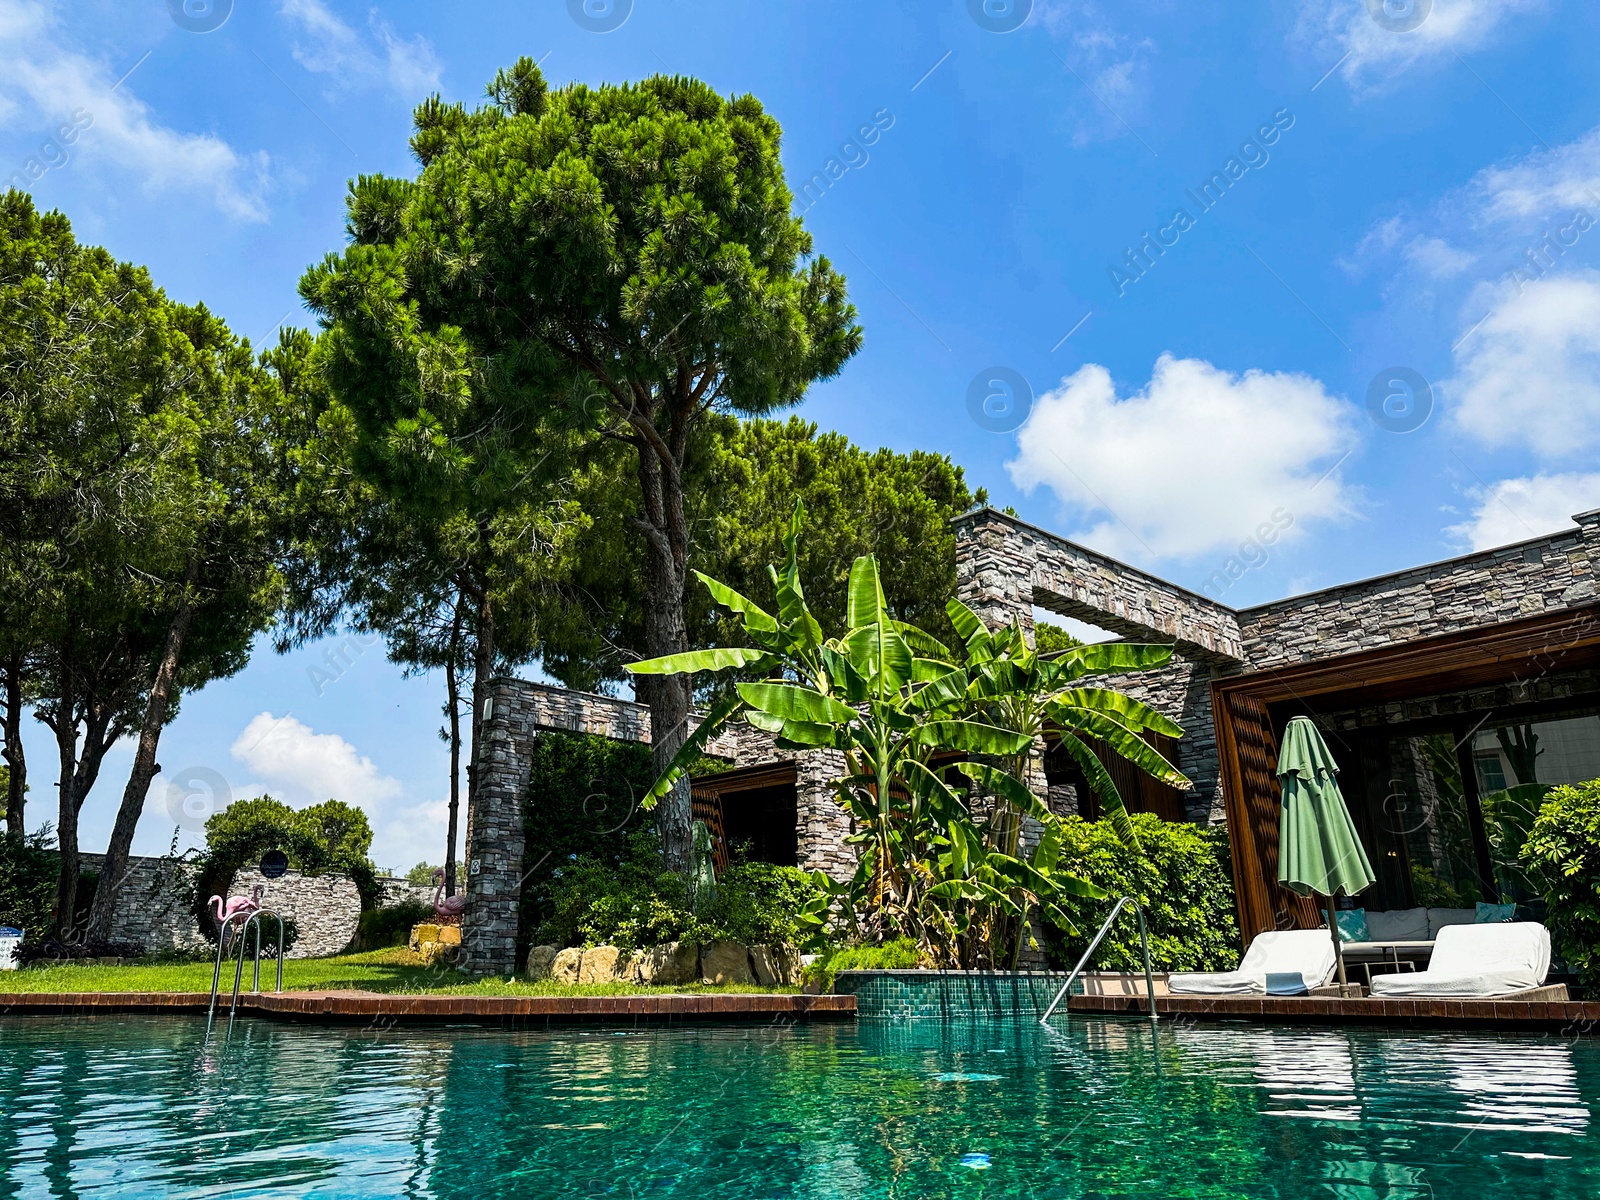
392	970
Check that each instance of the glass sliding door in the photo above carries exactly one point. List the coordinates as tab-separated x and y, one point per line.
1515	764
1417	823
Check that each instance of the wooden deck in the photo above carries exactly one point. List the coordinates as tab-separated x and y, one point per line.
398	1008
1571	1017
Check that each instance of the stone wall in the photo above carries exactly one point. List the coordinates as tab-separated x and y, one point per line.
326	909
1537	576
152	908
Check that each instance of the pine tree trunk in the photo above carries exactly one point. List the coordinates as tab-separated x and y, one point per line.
668	696
67	818
145	766
453	687
16	759
482	672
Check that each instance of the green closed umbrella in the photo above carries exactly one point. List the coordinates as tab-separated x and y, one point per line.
1319	853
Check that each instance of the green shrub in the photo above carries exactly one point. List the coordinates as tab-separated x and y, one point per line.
1182	879
638	902
28	870
901	955
391	926
1562	859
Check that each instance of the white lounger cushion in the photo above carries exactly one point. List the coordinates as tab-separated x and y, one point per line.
1477	960
1295	959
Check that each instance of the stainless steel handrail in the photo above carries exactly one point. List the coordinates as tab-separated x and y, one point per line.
1144	945
251	920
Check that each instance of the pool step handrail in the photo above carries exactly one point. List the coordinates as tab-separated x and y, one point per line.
249	920
1144	945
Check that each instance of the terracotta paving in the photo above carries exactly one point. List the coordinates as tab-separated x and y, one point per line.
1565	1015
394	1008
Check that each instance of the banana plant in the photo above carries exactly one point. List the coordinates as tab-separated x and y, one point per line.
1021	690
900	708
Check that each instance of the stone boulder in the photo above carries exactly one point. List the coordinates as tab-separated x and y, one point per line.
564	967
672	963
726	962
540	960
775	966
599	965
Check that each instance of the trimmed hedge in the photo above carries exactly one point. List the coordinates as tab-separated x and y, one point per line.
1182	878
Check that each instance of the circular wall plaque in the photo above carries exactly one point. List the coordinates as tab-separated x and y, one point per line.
273	864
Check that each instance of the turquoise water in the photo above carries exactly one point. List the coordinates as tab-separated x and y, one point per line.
139	1106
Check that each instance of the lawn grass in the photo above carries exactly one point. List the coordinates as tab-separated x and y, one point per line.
391	970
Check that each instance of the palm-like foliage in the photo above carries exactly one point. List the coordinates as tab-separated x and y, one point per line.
902	710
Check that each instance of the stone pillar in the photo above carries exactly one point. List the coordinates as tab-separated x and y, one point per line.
494	853
994	571
822	824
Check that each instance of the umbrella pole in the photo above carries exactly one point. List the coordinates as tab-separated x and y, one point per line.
1338	949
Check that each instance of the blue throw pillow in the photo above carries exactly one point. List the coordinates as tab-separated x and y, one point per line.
1353	924
1492	914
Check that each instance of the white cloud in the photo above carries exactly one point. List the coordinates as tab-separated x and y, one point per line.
51	85
1375	53
1115	66
335	48
1514	510
1545	182
305	767
1529	375
1193	462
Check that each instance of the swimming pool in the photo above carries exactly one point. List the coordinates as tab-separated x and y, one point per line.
135	1106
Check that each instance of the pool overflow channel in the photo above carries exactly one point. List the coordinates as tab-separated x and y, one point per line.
251	919
1144	946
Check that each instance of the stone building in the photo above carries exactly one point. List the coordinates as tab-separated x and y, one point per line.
1443	690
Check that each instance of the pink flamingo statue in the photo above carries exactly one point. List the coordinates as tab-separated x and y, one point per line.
238	904
449	908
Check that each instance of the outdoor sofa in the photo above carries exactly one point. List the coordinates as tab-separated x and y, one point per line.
1474	961
1280	962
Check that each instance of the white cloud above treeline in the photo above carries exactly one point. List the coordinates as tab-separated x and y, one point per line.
1190	463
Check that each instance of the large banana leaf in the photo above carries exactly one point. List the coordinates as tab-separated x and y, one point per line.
694	745
942	801
1121	708
882	655
1111	657
864	602
970	737
1121	739
1111	805
842	674
795	703
921	641
698	660
938	692
1008	787
756	619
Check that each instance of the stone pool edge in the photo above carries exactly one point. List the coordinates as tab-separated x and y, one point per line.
400	1008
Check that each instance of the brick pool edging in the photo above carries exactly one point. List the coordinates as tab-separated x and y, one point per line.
401	1008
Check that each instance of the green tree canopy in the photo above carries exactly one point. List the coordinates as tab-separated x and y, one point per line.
617	260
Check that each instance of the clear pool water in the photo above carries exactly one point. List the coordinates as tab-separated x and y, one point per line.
139	1106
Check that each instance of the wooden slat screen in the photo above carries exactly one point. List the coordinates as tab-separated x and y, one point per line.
1250	759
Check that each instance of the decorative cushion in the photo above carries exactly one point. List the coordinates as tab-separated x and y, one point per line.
1438	918
1493	914
1352	924
1398	925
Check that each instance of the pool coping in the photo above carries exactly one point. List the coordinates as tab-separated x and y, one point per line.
1569	1016
392	1008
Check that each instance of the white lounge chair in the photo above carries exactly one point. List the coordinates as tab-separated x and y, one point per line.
1469	961
1280	962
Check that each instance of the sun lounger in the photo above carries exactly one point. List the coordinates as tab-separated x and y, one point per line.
1499	959
1280	962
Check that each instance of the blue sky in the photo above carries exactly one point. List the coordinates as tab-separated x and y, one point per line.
1398	191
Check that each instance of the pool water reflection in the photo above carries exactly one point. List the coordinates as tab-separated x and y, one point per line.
137	1106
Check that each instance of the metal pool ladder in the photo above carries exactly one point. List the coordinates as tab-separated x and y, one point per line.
1144	945
251	920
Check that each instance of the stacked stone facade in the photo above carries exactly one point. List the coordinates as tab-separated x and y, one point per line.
1004	569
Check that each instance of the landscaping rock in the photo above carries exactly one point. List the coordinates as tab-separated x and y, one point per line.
775	966
672	963
599	965
540	960
726	962
564	967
